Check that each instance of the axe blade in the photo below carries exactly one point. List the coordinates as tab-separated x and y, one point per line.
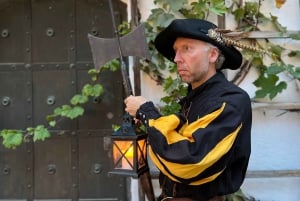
135	43
103	50
106	49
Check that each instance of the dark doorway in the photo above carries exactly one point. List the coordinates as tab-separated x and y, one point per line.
44	59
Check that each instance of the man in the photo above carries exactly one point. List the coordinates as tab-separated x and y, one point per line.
202	152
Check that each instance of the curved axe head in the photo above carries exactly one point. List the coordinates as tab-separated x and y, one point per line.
106	49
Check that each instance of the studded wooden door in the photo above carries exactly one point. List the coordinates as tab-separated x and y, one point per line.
44	59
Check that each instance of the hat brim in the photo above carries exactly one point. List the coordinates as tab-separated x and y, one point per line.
195	29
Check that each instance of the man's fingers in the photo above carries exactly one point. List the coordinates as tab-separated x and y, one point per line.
126	99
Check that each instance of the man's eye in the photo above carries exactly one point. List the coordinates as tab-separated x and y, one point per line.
186	48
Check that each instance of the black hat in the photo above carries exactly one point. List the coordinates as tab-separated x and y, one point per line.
195	29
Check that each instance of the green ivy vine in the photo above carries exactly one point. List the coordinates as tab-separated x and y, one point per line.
13	138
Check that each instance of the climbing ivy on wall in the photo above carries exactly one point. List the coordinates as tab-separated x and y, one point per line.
12	138
248	18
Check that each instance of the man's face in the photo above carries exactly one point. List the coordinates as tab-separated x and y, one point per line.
195	60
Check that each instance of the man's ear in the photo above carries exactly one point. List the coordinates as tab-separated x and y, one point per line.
214	54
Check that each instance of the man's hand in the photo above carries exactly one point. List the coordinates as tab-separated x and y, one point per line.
133	103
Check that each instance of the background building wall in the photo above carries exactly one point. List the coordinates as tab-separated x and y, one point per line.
274	169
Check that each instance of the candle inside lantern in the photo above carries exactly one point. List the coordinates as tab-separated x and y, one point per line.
129	156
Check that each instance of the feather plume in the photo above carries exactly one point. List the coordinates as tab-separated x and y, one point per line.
228	37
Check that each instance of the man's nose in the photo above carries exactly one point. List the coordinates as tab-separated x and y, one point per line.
177	57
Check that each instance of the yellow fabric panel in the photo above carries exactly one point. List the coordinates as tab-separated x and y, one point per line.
162	169
167	125
159	165
207	179
202	122
187	171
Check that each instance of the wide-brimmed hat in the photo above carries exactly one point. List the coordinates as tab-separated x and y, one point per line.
195	29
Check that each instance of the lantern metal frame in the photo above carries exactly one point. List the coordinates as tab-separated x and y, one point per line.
129	150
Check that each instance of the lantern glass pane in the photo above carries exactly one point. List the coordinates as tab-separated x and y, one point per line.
141	153
123	154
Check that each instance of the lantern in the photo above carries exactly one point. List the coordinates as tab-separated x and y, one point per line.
129	150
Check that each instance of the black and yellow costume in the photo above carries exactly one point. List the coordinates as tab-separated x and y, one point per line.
204	150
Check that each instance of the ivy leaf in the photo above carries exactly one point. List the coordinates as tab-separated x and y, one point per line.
276	49
115	127
97	90
92	90
176	90
94	74
173	5
172	68
167	99
169	85
274	69
159	19
251	9
141	129
294	71
75	112
52	123
295	53
170	108
164	19
65	110
11	138
30	130
72	113
57	112
268	86
218	7
297	73
239	14
112	65
50	117
40	133
177	5
295	36
124	28
198	10
277	25
79	99
68	111
257	62
87	90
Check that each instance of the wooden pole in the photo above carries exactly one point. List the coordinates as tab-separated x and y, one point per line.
144	179
146	183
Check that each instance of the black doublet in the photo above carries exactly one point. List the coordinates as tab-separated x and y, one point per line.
203	151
